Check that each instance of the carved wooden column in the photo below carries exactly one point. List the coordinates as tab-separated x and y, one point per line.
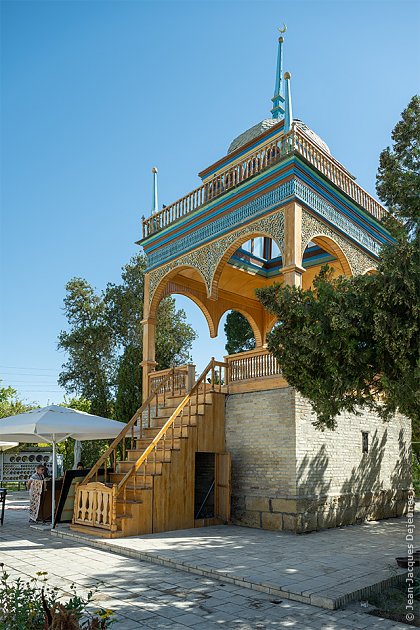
292	255
149	339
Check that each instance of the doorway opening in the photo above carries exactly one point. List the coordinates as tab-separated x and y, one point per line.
204	505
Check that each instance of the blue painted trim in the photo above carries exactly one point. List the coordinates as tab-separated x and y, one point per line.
335	197
215	206
265	204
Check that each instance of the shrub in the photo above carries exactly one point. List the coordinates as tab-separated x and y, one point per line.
34	605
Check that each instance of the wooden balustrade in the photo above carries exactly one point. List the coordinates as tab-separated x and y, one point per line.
213	379
295	141
181	381
253	364
96	505
95	502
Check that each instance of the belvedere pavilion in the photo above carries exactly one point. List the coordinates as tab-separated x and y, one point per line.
237	444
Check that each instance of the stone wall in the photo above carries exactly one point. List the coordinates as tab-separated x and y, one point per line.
337	483
287	475
260	435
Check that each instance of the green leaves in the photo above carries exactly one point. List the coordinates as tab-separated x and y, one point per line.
104	342
397	181
239	334
350	343
11	404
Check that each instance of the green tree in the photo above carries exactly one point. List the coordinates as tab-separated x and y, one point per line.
105	341
89	370
124	311
353	342
397	180
239	334
11	404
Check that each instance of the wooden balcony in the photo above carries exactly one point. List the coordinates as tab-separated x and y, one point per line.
268	154
252	371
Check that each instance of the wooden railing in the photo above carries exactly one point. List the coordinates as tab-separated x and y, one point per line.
212	379
181	382
295	141
95	502
253	364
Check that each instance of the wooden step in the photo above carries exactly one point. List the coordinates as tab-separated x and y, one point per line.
161	454
141	482
95	531
134	453
160	421
173	403
153	431
152	468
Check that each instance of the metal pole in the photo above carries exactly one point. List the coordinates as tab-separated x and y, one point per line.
53	487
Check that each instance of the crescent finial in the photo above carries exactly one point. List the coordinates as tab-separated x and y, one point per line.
282	30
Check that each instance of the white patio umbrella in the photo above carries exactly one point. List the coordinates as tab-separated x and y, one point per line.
54	424
3	447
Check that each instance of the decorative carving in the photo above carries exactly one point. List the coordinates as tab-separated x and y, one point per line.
334	216
359	262
207	258
218	226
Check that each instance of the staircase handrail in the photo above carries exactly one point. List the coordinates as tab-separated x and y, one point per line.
194	390
123	433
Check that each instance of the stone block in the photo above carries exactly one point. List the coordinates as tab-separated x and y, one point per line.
249	519
345	516
365	499
289	522
306	523
272	521
326	519
284	505
260	504
401	508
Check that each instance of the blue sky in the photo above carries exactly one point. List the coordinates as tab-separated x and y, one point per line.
96	93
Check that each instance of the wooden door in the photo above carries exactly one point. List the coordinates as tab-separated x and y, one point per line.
222	486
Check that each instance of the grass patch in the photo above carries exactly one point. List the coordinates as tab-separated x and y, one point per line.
392	603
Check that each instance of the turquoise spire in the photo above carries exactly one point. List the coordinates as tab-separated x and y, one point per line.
278	98
155	206
288	114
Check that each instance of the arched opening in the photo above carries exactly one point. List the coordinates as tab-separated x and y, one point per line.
182	280
238	331
319	251
251	262
204	345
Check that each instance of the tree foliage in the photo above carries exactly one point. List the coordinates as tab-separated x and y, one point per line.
11	404
239	334
104	342
353	342
397	180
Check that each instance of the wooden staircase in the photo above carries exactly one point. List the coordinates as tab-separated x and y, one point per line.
150	467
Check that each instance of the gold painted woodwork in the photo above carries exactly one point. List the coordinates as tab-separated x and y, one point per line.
153	487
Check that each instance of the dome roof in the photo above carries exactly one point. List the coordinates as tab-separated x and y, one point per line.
312	135
260	128
252	133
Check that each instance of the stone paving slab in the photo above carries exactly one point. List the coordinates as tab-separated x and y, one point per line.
328	568
144	595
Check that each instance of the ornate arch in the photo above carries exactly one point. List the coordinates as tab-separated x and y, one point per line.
165	287
353	261
271	226
249	318
207	259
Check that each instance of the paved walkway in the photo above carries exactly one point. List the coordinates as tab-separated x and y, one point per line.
328	568
145	595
